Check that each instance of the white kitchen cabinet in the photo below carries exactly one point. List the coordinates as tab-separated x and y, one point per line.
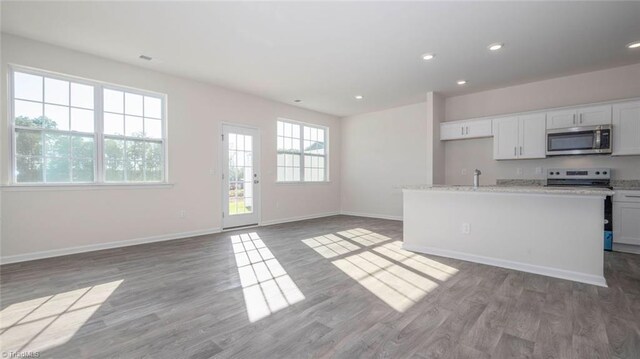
561	119
465	129
626	217
451	131
594	115
506	136
626	129
532	136
479	128
520	137
580	116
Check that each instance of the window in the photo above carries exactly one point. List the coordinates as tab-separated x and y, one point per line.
302	152
75	131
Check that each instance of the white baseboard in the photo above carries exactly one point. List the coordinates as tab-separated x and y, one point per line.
132	242
299	218
96	247
626	248
371	215
524	267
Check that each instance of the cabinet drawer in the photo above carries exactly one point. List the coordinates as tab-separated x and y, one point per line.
626	196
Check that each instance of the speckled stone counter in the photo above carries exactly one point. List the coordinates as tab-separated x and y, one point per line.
627	185
520	182
578	191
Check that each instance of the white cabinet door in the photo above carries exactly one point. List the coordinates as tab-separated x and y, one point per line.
594	116
478	128
467	129
505	140
626	222
532	141
451	131
562	119
626	129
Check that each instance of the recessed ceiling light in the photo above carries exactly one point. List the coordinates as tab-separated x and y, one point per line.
145	57
359	97
634	45
462	82
297	100
495	47
428	57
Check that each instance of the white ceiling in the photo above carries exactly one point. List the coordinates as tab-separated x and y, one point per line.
324	53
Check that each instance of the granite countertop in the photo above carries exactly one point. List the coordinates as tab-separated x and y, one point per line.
581	191
626	185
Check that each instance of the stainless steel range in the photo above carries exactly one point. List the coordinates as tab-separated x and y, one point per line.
587	177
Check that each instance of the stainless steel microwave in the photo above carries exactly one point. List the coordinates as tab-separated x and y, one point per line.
579	140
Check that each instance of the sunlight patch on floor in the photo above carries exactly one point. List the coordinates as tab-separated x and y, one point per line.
397	277
424	265
330	245
43	323
364	236
266	286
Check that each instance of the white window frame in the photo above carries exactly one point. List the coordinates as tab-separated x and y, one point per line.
99	135
302	154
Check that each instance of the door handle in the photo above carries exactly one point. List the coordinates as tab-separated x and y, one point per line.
462	130
574	118
631	196
520	150
515	151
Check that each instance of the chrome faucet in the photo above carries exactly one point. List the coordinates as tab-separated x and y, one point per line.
476	178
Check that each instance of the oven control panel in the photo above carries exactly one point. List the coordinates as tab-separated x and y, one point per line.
579	173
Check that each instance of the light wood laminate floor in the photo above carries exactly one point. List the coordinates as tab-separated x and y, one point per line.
330	287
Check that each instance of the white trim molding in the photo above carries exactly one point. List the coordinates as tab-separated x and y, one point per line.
524	267
84	187
371	215
100	246
626	248
296	219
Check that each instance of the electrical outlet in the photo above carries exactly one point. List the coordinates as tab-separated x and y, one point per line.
463	171
466	228
182	213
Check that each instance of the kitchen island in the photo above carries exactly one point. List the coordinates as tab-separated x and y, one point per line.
551	231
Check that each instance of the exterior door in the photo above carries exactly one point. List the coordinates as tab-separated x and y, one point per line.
240	176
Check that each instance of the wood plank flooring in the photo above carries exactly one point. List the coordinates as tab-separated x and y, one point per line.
331	287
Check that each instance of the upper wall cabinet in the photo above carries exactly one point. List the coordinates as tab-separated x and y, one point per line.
583	116
465	129
561	119
626	129
519	137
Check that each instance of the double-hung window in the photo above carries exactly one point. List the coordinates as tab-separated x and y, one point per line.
66	130
302	152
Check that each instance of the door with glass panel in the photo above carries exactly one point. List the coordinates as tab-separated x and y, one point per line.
240	176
